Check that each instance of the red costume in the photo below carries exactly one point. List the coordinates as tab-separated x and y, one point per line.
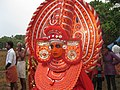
73	28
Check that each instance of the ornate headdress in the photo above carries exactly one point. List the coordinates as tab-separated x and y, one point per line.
76	25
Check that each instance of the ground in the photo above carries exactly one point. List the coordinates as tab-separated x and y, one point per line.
3	84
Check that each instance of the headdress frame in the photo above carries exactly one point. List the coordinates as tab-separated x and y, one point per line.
85	26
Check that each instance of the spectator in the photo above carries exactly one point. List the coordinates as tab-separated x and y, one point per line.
109	67
21	65
98	76
116	49
11	71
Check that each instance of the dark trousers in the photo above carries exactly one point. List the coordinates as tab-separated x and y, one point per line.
97	81
111	80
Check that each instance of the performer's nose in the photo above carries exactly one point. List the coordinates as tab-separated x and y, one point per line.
54	49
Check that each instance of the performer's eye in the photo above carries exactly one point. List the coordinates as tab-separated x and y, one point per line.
57	46
51	46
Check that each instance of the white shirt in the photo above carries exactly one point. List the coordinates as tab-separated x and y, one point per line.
11	57
116	50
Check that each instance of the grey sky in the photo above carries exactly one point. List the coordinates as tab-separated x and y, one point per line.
16	14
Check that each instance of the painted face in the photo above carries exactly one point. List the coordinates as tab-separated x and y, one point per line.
56	49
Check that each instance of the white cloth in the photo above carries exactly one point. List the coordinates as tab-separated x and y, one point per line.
116	50
11	57
21	68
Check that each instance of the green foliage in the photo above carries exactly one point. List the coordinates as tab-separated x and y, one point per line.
109	18
15	39
115	1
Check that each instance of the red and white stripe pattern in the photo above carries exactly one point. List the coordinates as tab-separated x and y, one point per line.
65	12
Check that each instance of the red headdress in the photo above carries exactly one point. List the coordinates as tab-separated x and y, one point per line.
76	25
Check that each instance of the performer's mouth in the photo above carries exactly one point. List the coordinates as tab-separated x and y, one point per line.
55	54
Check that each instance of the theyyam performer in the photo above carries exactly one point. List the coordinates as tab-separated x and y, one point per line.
64	40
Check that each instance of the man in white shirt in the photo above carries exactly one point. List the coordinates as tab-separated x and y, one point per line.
11	71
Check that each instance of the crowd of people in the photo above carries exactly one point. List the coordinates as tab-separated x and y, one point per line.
105	68
15	65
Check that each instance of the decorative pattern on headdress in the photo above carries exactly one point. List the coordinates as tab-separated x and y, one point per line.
77	18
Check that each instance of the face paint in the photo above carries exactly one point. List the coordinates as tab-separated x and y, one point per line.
56	50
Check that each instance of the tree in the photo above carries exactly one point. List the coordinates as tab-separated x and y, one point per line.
115	1
110	20
15	39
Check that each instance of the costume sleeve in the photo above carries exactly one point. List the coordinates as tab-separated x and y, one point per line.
84	82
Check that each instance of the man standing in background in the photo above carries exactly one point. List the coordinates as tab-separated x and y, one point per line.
21	65
11	71
116	49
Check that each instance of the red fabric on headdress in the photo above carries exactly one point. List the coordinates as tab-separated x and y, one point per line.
56	32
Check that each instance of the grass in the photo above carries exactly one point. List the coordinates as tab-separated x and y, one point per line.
4	85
